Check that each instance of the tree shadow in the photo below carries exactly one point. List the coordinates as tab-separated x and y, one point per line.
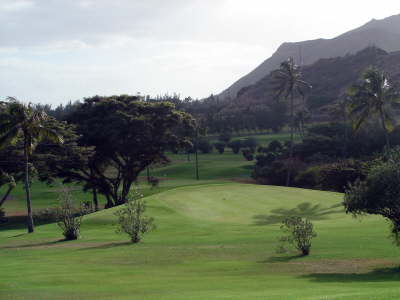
107	246
281	259
41	244
19	222
378	275
305	210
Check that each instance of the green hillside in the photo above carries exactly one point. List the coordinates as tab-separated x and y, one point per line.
215	241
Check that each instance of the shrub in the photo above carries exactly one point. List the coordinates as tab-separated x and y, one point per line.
69	217
220	146
299	234
131	219
204	145
248	154
235	146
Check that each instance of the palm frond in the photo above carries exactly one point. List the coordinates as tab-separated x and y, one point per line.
10	138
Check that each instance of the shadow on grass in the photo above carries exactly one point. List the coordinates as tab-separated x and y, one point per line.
378	275
305	210
33	245
107	246
281	259
19	222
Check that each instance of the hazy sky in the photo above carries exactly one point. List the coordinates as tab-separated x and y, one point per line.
53	51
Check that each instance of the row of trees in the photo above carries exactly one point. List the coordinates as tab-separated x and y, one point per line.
104	143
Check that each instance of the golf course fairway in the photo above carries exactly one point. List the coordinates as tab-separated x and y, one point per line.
215	241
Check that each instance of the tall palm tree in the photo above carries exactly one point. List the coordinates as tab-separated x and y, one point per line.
20	122
375	95
288	84
340	111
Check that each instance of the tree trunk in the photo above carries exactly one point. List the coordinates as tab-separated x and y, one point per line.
382	115
28	194
109	203
289	170
148	174
95	200
196	157
10	188
345	137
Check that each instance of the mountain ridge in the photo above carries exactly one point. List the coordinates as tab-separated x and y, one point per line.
383	34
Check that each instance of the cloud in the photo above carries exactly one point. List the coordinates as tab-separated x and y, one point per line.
55	50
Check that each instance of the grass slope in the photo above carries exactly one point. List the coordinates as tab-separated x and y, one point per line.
214	241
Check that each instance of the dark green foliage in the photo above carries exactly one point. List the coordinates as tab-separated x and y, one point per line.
299	232
235	145
250	143
273	171
131	219
220	146
21	123
308	178
225	137
378	194
128	135
248	154
336	176
204	145
275	146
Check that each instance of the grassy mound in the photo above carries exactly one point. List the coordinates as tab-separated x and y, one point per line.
214	241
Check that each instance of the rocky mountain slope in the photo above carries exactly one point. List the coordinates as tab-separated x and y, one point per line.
384	34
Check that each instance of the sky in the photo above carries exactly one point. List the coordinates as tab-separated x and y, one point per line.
54	51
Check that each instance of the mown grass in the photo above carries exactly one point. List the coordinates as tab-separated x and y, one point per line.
215	241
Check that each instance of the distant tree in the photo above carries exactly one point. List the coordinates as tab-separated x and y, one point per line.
235	146
287	84
374	96
225	137
204	145
23	121
248	154
250	143
220	146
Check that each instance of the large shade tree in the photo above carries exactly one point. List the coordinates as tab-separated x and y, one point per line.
21	122
374	96
288	83
128	135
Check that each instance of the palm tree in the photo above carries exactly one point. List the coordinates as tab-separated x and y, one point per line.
23	122
375	95
288	84
340	111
